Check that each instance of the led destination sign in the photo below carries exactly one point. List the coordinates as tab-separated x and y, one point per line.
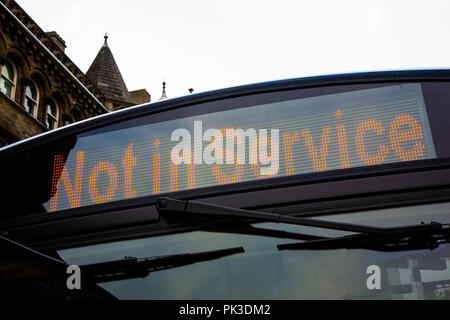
336	131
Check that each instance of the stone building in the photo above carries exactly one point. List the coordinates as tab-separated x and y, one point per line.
42	89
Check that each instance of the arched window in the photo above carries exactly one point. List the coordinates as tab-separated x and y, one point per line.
51	116
31	99
67	119
8	80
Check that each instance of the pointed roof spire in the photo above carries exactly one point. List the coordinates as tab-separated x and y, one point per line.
106	39
163	96
105	74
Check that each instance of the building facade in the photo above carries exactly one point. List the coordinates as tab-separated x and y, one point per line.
42	89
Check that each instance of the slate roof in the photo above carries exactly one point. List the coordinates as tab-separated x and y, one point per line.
105	73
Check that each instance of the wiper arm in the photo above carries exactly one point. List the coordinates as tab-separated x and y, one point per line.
414	240
131	267
168	205
411	237
248	229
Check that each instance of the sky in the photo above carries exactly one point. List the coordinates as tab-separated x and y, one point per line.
209	44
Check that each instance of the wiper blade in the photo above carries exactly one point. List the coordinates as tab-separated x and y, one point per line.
168	205
410	237
400	241
131	267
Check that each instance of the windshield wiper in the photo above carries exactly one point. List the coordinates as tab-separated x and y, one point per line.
131	267
401	241
127	268
410	237
200	208
46	271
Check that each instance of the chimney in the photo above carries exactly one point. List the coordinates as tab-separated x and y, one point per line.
57	40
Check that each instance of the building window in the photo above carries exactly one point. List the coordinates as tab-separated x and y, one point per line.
31	99
8	80
67	119
51	120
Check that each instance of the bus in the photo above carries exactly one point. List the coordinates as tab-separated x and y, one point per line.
327	187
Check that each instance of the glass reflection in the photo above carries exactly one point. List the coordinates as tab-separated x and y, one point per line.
262	272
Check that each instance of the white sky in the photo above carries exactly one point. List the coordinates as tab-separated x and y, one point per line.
208	44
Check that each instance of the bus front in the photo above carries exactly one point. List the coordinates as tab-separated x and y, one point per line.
333	187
